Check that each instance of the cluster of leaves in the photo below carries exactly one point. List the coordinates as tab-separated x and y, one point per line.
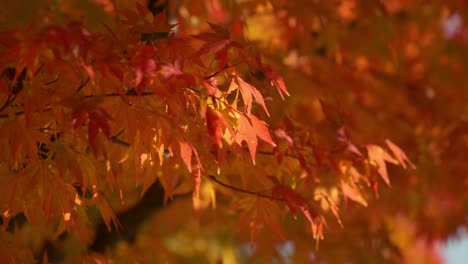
95	113
394	68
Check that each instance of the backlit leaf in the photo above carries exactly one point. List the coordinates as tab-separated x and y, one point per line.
186	154
380	156
261	129
399	154
247	91
351	191
245	132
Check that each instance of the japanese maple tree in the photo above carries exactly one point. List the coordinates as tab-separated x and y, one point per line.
232	131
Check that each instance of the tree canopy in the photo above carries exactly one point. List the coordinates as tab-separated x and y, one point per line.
232	131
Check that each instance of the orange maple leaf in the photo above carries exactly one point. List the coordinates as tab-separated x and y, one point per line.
247	91
380	156
399	154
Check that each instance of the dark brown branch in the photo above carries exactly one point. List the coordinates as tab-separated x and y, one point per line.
212	75
130	220
16	86
117	94
53	81
46	109
258	194
213	178
83	84
115	140
8	102
272	153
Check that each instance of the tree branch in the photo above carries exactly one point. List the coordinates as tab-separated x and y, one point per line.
130	224
130	220
213	178
258	194
8	102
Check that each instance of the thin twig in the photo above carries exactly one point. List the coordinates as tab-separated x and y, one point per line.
83	84
213	178
219	71
117	94
8	101
45	109
115	140
273	153
53	81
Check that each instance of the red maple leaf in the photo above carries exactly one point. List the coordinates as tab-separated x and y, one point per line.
294	201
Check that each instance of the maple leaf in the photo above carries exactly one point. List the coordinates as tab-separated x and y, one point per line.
280	133
245	132
348	183
293	201
380	156
261	130
97	120
216	10
89	70
274	77
211	89
152	83
351	191
331	114
143	64
106	211
399	154
267	209
186	153
317	230
218	43
248	129
175	72
248	91
86	175
214	124
328	200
